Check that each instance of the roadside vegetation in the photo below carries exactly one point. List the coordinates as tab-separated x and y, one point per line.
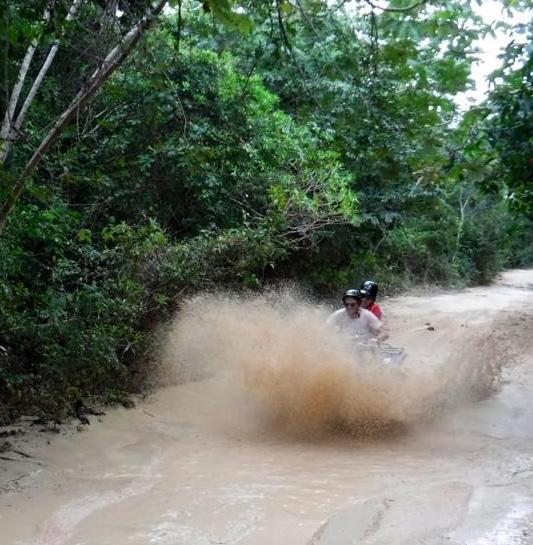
235	144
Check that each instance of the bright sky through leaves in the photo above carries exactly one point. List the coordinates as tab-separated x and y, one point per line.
490	47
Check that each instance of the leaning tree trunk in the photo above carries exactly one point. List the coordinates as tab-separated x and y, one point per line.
113	60
8	123
17	123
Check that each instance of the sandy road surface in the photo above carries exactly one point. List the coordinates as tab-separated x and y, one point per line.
194	466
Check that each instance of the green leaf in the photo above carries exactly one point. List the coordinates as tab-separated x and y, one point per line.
85	235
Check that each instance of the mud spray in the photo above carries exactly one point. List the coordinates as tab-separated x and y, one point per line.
300	378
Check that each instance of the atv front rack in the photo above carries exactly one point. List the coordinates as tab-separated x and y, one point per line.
392	354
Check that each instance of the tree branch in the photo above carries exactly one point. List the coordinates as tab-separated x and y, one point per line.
289	49
339	6
396	10
307	18
180	23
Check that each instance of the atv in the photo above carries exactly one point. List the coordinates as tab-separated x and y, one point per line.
389	355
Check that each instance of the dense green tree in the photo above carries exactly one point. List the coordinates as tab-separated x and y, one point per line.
509	123
242	142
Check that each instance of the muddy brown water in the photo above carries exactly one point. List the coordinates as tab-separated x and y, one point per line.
273	436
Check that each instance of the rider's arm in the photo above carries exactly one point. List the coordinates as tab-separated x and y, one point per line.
377	328
333	319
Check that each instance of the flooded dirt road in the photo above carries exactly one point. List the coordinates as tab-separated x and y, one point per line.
200	463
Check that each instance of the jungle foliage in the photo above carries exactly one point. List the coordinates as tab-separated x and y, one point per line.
239	144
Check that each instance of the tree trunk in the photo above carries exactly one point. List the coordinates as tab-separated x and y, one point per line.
462	208
113	60
37	83
9	116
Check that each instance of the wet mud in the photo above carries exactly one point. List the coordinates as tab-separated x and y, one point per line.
268	429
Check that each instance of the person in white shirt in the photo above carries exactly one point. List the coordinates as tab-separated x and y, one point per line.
357	321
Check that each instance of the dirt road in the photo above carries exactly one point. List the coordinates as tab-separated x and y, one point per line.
200	464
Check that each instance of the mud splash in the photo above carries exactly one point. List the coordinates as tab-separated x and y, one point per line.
295	376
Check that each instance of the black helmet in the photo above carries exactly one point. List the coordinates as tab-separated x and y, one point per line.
353	293
368	289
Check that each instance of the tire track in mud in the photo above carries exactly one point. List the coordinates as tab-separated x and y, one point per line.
59	528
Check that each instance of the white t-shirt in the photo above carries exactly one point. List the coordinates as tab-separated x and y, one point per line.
361	326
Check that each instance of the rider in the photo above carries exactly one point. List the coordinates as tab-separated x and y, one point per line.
354	319
368	292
